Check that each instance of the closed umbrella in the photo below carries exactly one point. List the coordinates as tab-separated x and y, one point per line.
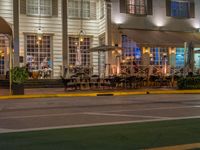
78	57
190	59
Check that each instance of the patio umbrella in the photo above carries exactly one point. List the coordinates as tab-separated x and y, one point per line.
190	57
104	48
78	57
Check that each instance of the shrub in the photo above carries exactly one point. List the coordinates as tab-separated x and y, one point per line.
19	75
189	82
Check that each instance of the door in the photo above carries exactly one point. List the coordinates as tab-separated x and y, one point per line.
4	62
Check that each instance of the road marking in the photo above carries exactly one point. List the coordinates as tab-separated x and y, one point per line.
95	124
100	112
198	106
125	115
146	109
37	116
2	130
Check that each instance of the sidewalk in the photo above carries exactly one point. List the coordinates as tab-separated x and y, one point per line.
59	92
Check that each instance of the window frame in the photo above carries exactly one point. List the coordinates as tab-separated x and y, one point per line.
128	4
85	54
79	10
179	10
39	9
131	49
34	45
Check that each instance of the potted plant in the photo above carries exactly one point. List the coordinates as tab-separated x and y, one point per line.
19	76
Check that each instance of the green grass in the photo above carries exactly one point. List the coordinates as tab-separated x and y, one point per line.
116	137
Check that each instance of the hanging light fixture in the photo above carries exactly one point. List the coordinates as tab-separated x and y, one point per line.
39	34
81	35
39	30
81	32
80	39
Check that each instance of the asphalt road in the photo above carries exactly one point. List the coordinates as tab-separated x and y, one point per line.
38	114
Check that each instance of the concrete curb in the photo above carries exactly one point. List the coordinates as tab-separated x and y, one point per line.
93	94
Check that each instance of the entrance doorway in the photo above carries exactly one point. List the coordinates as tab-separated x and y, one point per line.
4	59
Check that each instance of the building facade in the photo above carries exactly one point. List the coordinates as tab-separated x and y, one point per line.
59	33
157	32
47	32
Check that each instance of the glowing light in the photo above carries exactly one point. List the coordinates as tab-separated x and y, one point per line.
165	69
39	38
81	39
158	20
39	34
123	61
81	35
119	51
119	18
70	66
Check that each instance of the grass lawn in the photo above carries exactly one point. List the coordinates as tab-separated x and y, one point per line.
116	137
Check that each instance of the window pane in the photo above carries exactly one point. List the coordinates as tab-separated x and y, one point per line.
39	7
179	9
179	57
74	7
32	7
37	52
136	7
130	50
3	53
84	46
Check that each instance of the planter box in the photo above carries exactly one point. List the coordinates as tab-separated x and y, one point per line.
18	89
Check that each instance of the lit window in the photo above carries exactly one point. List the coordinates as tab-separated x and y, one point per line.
39	7
130	50
74	7
38	51
3	53
136	7
159	55
84	46
179	9
179	57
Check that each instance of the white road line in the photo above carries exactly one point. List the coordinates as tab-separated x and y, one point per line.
125	115
198	106
100	112
5	130
146	109
96	124
36	116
